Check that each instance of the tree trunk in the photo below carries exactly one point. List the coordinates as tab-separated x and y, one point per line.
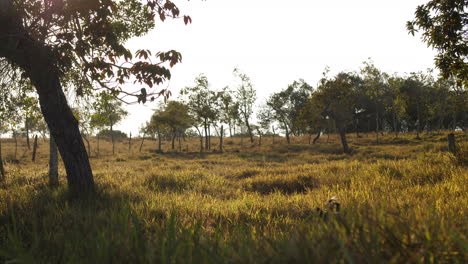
130	143
173	140
159	142
344	142
142	140
112	138
34	149
2	170
221	134
287	133
317	137
53	163
249	130
209	137
180	144
206	136
260	137
16	144
37	62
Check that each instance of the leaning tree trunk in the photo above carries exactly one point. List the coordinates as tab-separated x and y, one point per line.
317	137
142	141
34	149
53	163
249	130
36	60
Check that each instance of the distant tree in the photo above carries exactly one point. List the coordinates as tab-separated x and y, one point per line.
175	117
108	111
397	101
443	24
202	103
336	98
285	107
246	97
375	87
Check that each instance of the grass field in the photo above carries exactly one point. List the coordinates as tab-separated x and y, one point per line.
402	201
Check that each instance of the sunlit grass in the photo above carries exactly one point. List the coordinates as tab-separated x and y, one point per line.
402	201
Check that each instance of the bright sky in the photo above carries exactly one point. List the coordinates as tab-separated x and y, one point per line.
276	42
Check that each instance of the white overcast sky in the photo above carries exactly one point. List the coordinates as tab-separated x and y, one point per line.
276	42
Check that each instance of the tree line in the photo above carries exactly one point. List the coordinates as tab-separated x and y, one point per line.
368	100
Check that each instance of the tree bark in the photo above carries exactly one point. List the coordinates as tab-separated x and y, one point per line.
344	141
159	142
53	163
173	140
249	130
112	138
38	64
34	149
287	133
316	137
221	134
16	144
142	141
206	136
130	143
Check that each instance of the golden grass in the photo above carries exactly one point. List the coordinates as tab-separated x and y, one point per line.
402	201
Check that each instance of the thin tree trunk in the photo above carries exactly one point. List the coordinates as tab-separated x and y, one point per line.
206	136
249	130
159	142
16	144
53	163
317	137
142	140
209	137
173	140
130	143
112	138
344	142
221	139
34	149
287	133
260	137
180	143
